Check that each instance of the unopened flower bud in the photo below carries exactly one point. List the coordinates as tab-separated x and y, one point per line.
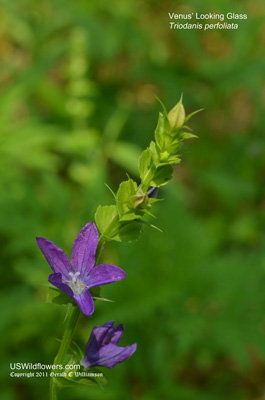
140	199
176	116
152	192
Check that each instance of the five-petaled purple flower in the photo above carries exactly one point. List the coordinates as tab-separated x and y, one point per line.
102	349
77	277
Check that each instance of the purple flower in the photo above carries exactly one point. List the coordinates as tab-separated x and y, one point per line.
102	349
152	192
77	277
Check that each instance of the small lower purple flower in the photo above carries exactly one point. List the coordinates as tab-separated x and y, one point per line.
77	277
152	192
102	350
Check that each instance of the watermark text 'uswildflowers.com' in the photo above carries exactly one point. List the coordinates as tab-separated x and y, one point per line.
40	366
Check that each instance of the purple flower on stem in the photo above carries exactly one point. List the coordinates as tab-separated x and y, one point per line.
152	192
102	349
77	277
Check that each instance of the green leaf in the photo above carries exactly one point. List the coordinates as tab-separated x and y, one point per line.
111	191
162	176
129	231
126	190
188	135
154	200
103	299
107	219
186	127
145	164
153	226
191	114
162	127
149	213
55	296
132	215
155	152
175	159
163	107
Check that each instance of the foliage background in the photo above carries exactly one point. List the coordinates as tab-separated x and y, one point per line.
77	107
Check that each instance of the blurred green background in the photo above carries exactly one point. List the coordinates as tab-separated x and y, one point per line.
77	107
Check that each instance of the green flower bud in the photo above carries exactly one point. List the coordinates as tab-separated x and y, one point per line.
140	199
176	116
164	155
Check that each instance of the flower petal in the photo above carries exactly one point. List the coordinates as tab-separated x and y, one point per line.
117	335
84	248
58	260
85	302
103	274
102	333
108	356
56	280
99	336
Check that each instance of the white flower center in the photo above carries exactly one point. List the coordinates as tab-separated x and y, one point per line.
75	284
74	276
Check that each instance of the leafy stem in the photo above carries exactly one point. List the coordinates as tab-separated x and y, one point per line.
122	221
72	317
71	322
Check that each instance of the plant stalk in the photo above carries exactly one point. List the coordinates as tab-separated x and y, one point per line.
71	322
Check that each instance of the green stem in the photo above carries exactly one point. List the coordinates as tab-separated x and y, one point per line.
53	389
71	321
101	243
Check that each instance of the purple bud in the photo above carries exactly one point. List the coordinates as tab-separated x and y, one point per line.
152	192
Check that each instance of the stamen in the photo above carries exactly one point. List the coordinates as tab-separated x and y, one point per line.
84	285
76	283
